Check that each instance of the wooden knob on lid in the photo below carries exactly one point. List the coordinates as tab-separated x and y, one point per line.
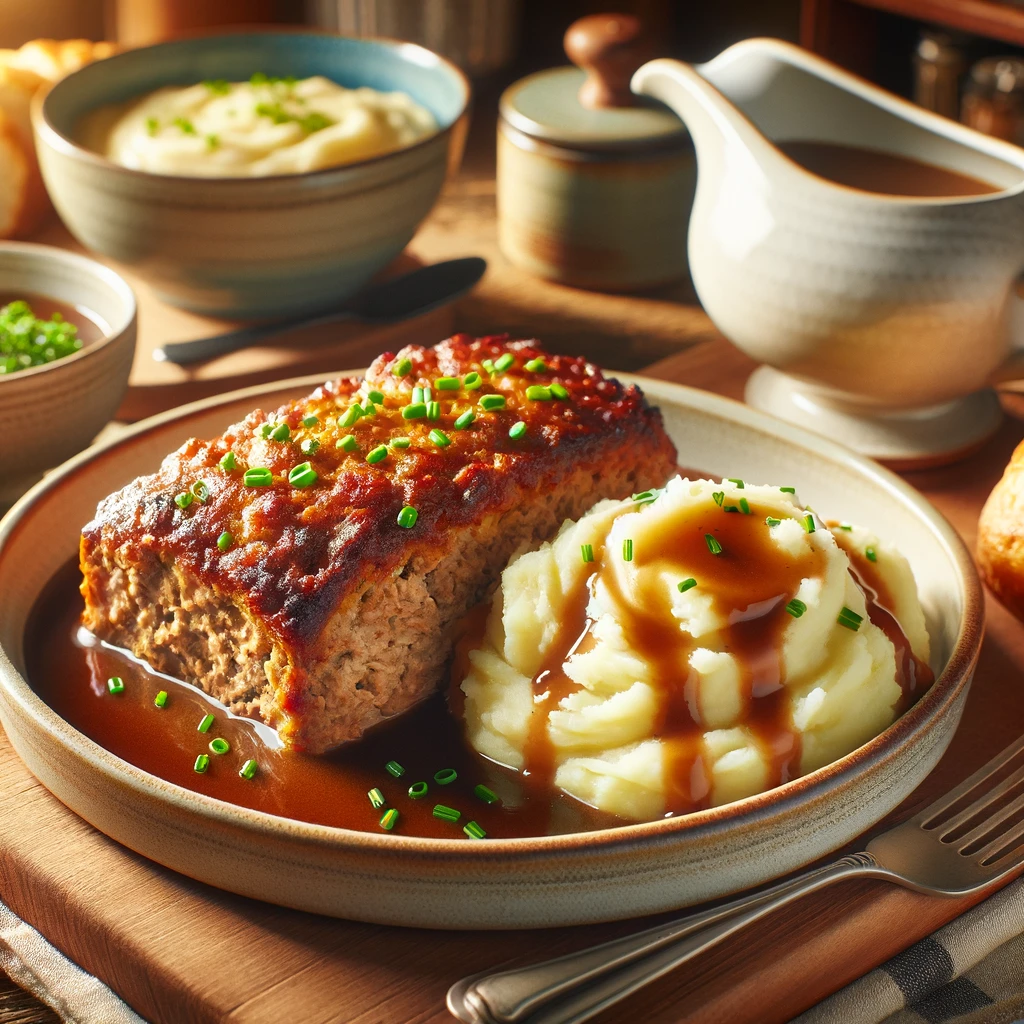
609	47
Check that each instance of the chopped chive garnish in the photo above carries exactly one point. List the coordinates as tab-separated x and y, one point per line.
808	523
536	365
281	432
351	415
517	430
258	476
465	420
491	402
487	795
418	790
504	362
224	541
219	745
731	508
587	550
200	491
870	554
160	700
376	397
416	411
407	517
249	769
302	475
348	443
538	393
739	483
220	86
389	819
488	365
402	367
796	608
399	442
418	395
719	497
427	393
684	585
205	723
558	391
152	125
115	684
433	410
439	438
745	506
627	550
472	381
377	454
788	490
850	619
310	421
377	800
266	429
187	127
395	769
369	409
446	813
446	776
309	446
447	383
202	763
713	546
228	462
772	521
845	526
473	830
646	497
183	500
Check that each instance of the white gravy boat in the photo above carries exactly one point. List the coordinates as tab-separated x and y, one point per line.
883	319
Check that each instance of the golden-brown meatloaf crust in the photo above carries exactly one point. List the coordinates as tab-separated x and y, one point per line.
1001	536
328	609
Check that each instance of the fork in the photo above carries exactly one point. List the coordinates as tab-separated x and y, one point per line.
966	841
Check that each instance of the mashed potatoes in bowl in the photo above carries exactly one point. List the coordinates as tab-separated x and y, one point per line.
693	646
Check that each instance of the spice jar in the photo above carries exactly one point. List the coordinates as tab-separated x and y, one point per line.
594	184
994	99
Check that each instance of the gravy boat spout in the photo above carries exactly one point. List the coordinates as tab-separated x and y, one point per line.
882	317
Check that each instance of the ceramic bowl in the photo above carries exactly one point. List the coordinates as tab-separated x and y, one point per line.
47	413
252	246
502	883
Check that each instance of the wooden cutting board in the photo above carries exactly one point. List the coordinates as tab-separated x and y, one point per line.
179	951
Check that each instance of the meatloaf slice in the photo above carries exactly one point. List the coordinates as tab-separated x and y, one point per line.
321	593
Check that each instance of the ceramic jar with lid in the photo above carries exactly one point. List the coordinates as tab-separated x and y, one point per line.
594	184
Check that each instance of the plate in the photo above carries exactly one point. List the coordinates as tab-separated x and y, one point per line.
501	883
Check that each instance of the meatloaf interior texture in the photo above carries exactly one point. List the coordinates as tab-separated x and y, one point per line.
325	608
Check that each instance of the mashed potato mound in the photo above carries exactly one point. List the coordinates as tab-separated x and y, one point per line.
661	675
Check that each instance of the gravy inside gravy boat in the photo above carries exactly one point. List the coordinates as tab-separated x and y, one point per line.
864	249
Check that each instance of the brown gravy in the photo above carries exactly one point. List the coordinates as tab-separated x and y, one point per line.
90	327
872	170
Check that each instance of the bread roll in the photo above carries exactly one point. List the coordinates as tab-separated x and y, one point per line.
1001	536
23	200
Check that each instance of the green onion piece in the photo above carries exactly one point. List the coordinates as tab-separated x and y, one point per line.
369	409
538	393
850	619
115	684
348	443
377	454
446	813
772	521
418	395
402	367
309	446
160	700
218	85
310	421
249	769
351	415
427	393
433	410
845	526
183	500
517	430
446	776
202	763
487	795
473	830
376	397
228	462
212	141
377	800
265	430
416	411
418	790
536	365
447	384
491	402
389	819
258	476
395	769
224	541
200	491
407	517
870	554
627	550
152	124
465	420
587	550
796	608
281	432
488	365
187	127
719	497
205	723
504	362
558	391
808	523
713	546
472	381
788	490
399	442
440	438
738	483
684	585
302	475
745	506
219	745
731	508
